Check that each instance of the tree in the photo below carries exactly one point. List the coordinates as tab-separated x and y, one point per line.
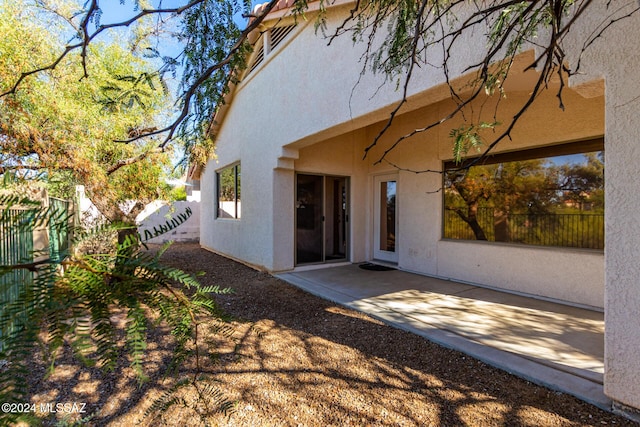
516	193
213	48
429	33
583	183
83	307
67	130
468	187
68	123
507	188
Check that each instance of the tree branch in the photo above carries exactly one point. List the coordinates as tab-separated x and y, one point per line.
189	94
131	160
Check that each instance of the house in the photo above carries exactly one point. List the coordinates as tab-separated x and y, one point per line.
290	185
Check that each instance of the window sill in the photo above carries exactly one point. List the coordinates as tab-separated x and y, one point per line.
524	246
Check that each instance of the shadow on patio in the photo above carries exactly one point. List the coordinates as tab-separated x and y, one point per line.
559	346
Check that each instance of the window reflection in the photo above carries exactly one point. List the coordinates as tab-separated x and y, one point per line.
228	182
388	216
551	201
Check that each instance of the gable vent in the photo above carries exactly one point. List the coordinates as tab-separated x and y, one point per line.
272	39
257	60
278	34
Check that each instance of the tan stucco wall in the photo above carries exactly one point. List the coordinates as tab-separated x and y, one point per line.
318	120
622	223
575	276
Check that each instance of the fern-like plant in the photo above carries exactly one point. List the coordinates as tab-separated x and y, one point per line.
74	300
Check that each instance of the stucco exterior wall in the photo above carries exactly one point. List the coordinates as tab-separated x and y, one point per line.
570	275
249	238
319	121
622	224
322	123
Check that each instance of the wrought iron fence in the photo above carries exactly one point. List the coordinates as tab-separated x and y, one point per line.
16	247
21	241
575	230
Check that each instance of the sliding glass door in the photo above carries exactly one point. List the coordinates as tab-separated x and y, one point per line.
321	218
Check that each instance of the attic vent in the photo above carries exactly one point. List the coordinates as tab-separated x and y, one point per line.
268	42
258	58
278	34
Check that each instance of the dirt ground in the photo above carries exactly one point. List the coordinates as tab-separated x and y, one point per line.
298	360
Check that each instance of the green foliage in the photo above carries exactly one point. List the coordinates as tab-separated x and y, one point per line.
63	124
402	36
467	137
67	422
77	300
558	201
208	32
209	400
178	194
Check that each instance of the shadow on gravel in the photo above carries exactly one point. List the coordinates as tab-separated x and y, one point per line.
320	363
312	363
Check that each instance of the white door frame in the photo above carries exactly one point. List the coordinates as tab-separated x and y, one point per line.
383	248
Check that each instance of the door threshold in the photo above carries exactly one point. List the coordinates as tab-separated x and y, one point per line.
384	263
319	266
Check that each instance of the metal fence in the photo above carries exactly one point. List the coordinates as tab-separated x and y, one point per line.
575	230
20	241
16	247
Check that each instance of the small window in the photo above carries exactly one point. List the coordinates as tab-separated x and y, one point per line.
228	183
550	196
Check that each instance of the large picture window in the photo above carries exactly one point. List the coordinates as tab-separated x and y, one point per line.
551	196
228	183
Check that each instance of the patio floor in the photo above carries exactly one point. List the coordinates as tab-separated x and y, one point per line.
555	345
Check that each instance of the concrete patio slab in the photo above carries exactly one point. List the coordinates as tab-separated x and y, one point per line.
555	345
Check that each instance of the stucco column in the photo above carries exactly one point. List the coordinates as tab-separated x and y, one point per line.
283	219
622	219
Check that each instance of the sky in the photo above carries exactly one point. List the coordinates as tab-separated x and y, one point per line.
114	12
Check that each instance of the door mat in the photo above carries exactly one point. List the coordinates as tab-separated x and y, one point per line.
375	267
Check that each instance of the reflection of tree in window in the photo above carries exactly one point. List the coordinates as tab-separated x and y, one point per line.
229	192
227	185
553	201
388	216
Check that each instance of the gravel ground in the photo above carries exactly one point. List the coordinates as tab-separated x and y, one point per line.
298	360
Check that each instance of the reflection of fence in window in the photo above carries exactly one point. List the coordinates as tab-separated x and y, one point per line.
579	230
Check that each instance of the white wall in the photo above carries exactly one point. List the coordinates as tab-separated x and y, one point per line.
158	213
321	122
